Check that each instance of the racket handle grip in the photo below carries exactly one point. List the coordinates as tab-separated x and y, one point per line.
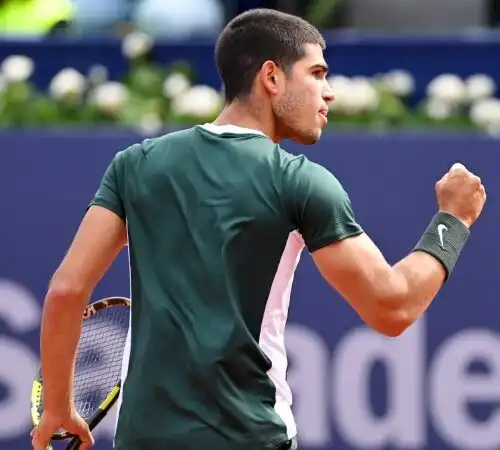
74	444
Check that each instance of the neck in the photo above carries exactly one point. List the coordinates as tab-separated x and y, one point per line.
246	115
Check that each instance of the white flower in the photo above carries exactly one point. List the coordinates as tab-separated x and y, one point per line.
17	68
362	97
150	124
400	82
367	94
338	82
197	101
486	113
494	130
68	82
479	86
110	97
438	110
353	95
175	84
341	87
447	88
136	44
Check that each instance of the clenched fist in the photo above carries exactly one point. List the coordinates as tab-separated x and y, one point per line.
461	194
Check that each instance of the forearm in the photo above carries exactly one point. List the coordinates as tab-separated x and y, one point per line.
416	281
60	334
100	237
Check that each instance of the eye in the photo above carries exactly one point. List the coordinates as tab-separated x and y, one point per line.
319	74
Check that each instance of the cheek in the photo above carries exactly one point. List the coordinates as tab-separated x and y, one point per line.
308	95
316	89
299	104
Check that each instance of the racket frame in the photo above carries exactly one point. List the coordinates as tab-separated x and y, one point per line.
106	404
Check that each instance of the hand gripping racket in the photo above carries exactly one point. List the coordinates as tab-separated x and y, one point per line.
97	380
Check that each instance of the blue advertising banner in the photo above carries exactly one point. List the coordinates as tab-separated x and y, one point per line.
436	387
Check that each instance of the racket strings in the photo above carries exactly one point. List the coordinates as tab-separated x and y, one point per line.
99	361
99	358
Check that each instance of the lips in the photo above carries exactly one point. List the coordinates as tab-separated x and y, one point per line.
324	116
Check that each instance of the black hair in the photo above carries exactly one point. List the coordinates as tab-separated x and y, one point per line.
255	36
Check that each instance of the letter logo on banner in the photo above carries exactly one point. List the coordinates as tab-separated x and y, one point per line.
20	312
403	425
307	376
453	388
332	389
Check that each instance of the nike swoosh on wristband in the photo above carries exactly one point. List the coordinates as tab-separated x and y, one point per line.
440	229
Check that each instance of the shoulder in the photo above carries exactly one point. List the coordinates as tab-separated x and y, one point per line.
301	171
143	149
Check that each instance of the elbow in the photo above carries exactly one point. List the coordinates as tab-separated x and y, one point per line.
395	324
62	289
392	320
395	311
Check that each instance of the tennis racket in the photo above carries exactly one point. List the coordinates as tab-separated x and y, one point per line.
97	380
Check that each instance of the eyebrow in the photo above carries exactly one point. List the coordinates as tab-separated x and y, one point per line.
321	66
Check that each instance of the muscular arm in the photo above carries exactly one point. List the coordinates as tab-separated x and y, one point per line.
388	298
99	239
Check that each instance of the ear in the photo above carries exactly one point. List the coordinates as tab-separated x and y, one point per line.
271	77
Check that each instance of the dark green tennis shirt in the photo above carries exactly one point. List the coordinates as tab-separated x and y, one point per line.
217	218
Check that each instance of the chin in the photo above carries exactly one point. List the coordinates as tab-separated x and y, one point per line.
308	139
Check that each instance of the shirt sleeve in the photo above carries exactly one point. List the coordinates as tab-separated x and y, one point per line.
108	195
317	204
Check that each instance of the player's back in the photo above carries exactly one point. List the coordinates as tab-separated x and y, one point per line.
212	254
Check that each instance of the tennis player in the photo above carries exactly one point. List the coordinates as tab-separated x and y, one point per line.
216	217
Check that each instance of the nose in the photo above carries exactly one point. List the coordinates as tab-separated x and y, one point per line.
328	95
